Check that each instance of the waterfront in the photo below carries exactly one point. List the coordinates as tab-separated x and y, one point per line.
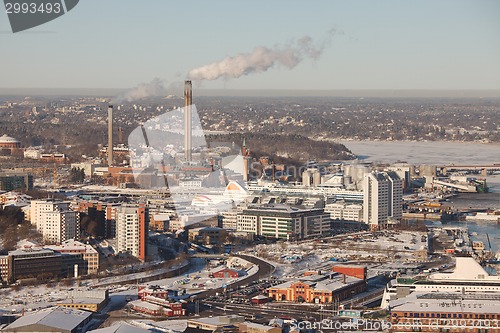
444	153
430	152
426	152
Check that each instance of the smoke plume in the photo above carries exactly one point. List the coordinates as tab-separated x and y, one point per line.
154	88
263	58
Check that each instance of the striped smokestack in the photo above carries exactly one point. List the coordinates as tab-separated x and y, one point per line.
188	101
110	135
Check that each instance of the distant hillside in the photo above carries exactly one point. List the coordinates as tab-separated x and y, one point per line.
287	148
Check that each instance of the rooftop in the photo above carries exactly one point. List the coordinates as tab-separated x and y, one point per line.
324	285
448	303
72	245
7	139
56	317
120	327
218	320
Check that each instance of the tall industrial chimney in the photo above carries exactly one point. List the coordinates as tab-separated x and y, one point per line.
110	135
188	101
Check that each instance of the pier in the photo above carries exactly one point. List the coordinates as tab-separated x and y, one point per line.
484	170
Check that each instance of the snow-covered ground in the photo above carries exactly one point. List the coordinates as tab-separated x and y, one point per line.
197	279
376	249
31	298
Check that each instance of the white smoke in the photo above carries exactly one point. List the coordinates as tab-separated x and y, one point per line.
154	88
262	58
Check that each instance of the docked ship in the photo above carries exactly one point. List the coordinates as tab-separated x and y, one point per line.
469	276
493	216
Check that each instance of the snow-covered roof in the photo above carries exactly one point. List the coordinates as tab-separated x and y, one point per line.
56	317
145	305
260	297
72	245
120	327
7	139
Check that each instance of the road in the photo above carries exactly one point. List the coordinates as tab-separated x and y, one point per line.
265	270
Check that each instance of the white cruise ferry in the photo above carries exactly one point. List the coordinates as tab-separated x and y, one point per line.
468	276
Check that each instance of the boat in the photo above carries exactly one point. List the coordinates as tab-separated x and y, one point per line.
478	246
468	277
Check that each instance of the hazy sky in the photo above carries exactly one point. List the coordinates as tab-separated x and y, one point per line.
384	45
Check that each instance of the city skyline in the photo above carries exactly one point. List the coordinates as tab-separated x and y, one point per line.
390	46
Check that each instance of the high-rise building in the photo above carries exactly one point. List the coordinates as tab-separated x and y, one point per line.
132	224
47	205
395	207
59	226
382	199
55	220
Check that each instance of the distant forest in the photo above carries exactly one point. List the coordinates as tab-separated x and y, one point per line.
289	149
298	128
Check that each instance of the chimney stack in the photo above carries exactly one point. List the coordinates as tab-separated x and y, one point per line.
120	135
110	135
188	101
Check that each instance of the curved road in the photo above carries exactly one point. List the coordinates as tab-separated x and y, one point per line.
265	270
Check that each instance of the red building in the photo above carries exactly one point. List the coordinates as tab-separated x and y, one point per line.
155	306
225	273
145	291
351	270
53	158
10	146
260	299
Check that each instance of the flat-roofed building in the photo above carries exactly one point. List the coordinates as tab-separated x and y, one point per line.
89	255
207	235
90	300
344	211
10	181
283	221
30	263
55	319
249	327
215	323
